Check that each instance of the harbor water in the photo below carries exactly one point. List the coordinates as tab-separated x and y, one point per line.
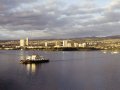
67	70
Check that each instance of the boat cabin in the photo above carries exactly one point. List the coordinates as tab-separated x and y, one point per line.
32	57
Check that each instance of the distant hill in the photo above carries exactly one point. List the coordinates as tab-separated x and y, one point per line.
77	38
114	37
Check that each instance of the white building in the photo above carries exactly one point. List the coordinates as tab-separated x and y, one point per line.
46	44
82	45
58	44
65	43
76	44
69	45
26	42
22	42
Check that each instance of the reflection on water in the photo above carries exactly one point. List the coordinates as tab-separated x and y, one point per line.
22	55
114	52
31	68
104	51
111	52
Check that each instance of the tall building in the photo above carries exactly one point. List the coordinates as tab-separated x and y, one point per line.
65	43
22	42
26	42
46	44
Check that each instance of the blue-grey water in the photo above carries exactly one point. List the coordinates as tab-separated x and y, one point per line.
75	70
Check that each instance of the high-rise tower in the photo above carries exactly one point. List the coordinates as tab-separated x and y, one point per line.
22	42
65	43
26	42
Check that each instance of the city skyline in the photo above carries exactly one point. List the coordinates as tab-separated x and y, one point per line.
57	19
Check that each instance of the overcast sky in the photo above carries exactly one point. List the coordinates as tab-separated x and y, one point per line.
58	18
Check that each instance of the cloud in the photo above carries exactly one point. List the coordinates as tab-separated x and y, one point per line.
115	4
57	18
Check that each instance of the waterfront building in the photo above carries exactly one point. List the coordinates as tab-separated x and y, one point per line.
58	44
46	44
65	43
69	45
76	44
82	45
26	42
22	42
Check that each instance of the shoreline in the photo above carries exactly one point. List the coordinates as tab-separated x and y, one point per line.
61	49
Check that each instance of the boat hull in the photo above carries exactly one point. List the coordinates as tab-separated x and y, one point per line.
33	61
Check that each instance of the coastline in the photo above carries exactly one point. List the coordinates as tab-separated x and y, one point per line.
56	49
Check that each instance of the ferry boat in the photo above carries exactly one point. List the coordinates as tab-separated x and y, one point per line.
34	59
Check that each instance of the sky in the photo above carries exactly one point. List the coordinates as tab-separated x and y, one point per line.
55	19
